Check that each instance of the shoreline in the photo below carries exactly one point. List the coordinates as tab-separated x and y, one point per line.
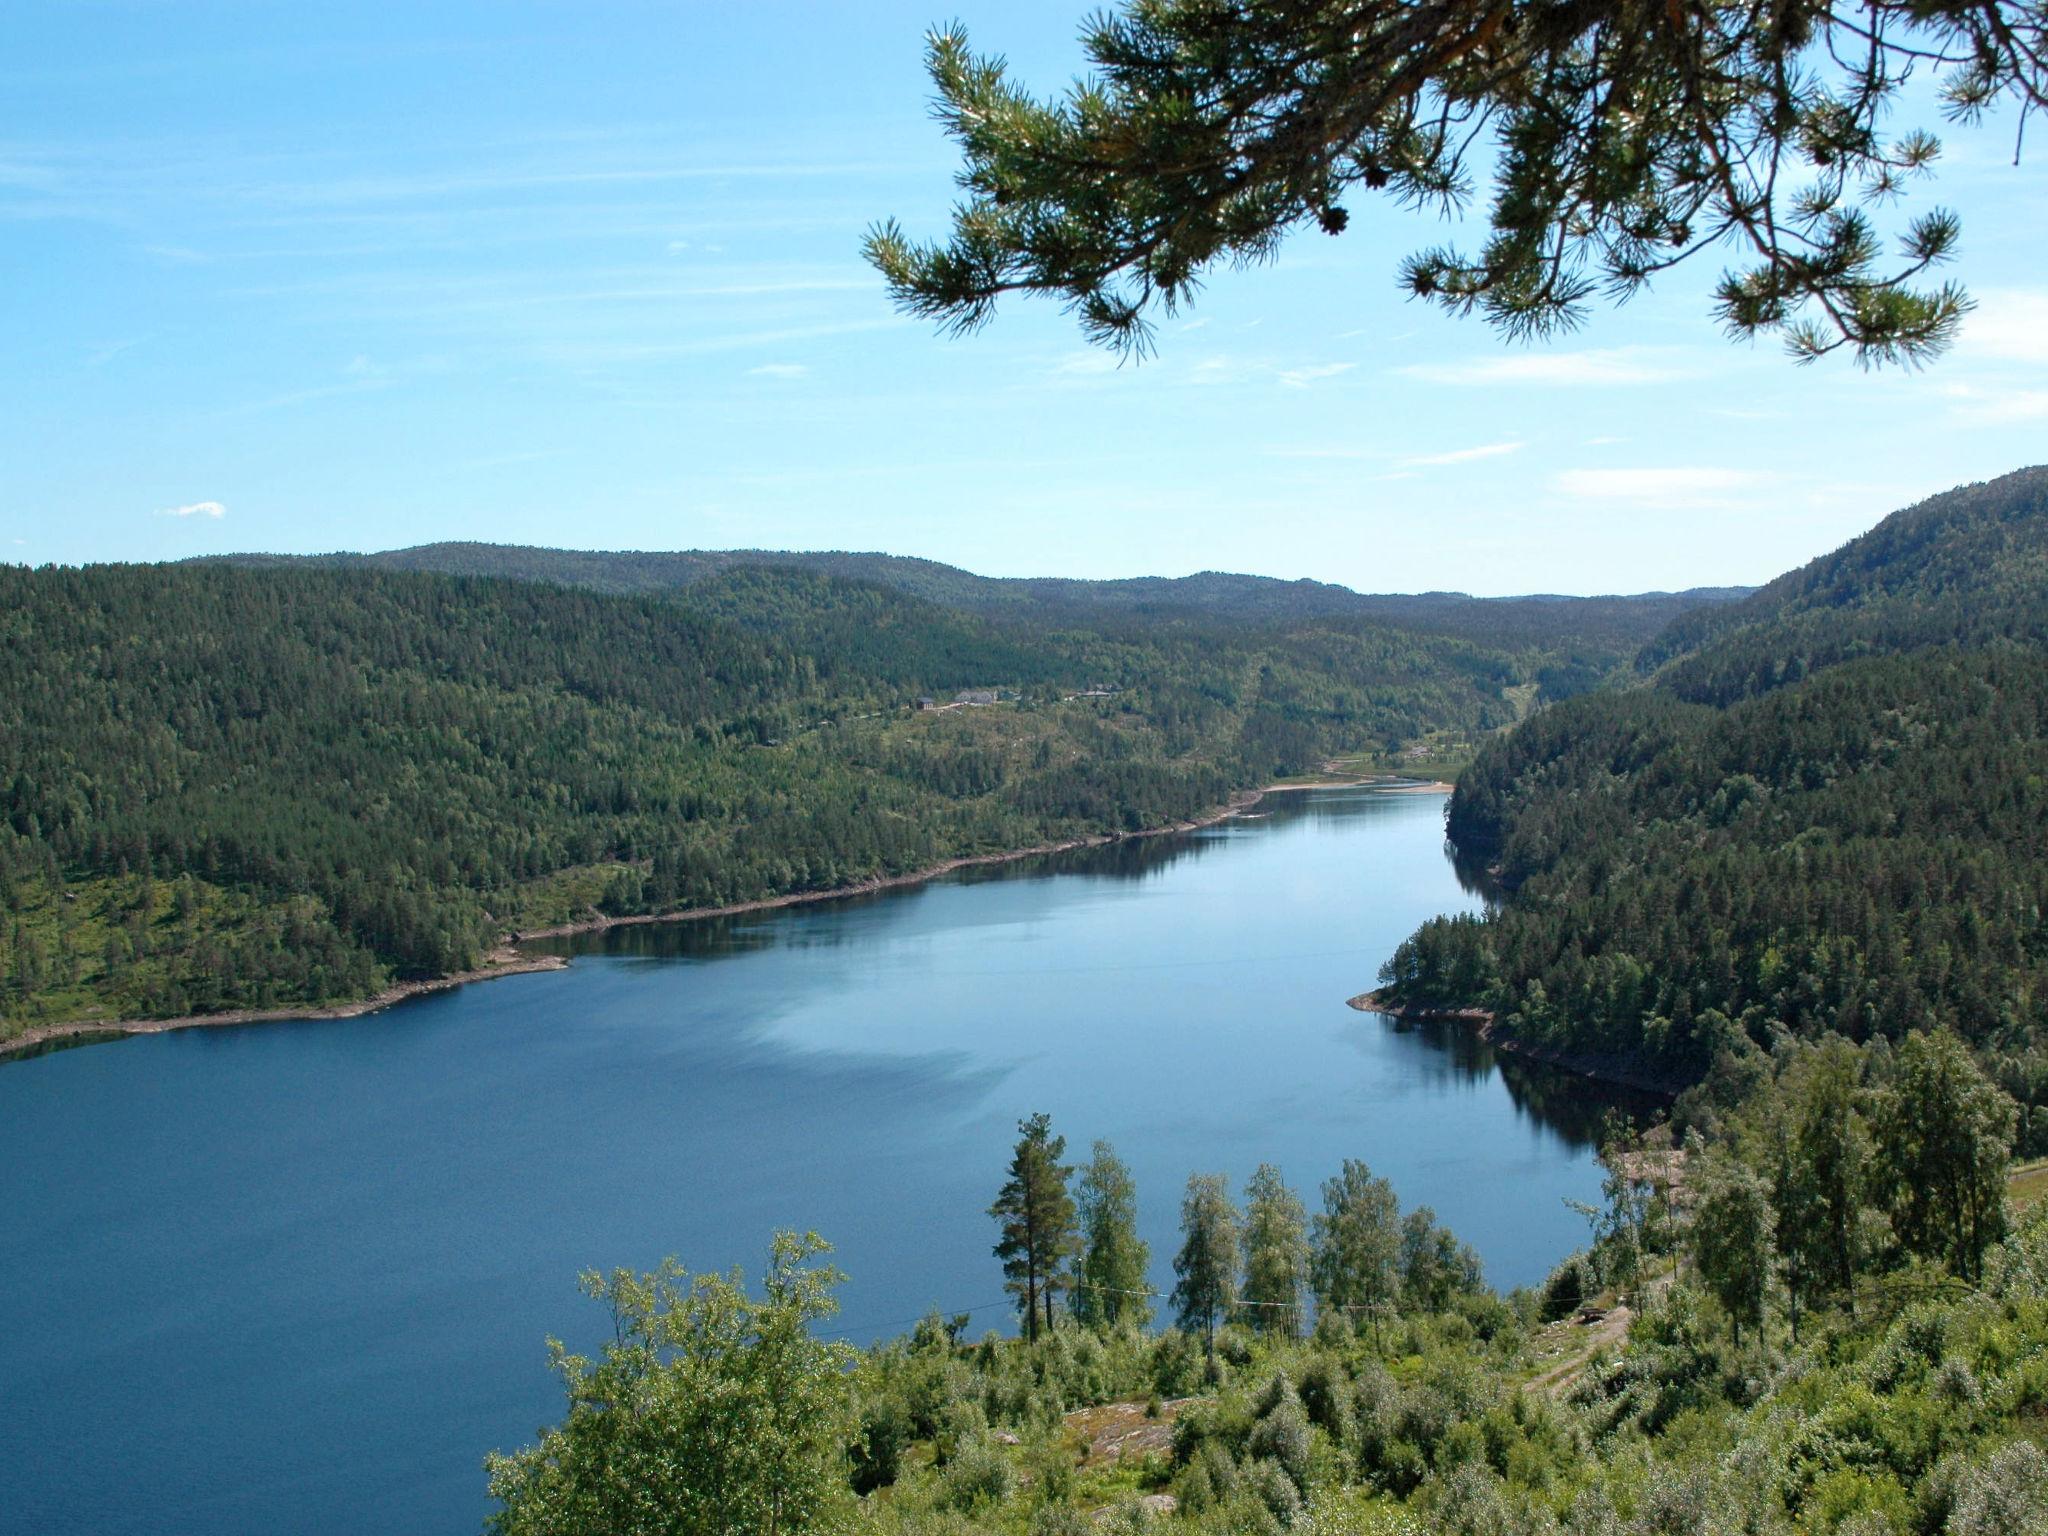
503	961
1613	1071
509	960
1384	786
1240	801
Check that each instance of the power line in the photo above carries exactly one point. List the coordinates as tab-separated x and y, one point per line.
1111	1290
839	1333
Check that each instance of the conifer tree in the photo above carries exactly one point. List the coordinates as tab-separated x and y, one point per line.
1275	1252
1037	1218
1619	142
1114	1259
1206	1266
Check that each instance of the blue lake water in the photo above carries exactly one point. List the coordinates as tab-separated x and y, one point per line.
296	1278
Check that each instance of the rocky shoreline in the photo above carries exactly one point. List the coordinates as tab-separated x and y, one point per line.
501	962
1598	1066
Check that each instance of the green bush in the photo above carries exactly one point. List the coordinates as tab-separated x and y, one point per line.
978	1476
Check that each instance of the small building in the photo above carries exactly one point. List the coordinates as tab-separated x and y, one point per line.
975	696
926	701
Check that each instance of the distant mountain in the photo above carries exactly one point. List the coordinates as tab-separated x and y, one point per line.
1611	620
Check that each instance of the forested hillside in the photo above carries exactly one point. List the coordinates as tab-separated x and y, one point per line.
1828	811
1595	624
226	785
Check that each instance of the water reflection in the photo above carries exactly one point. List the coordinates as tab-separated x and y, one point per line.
400	1202
1561	1103
1568	1105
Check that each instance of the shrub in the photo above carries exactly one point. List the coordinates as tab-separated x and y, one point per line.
1567	1288
1282	1437
977	1477
2008	1496
875	1458
1061	1519
1326	1396
1176	1365
961	1424
1277	1491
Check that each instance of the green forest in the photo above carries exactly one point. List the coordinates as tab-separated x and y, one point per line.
1781	853
1824	812
1823	1321
1789	865
268	783
1793	870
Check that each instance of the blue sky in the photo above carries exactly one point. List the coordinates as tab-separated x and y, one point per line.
357	276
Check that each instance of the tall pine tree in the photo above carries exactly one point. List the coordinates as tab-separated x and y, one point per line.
1037	1218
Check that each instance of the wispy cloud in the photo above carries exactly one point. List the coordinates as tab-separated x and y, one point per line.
436	185
1616	365
589	354
1224	368
407	294
2009	325
211	509
1326	453
355	382
1301	378
1085	364
506	460
1984	406
99	357
1690	488
778	371
1463	455
33	174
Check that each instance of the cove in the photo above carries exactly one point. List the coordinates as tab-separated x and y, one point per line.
296	1277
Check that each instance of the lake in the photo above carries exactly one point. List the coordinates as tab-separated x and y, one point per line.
296	1277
